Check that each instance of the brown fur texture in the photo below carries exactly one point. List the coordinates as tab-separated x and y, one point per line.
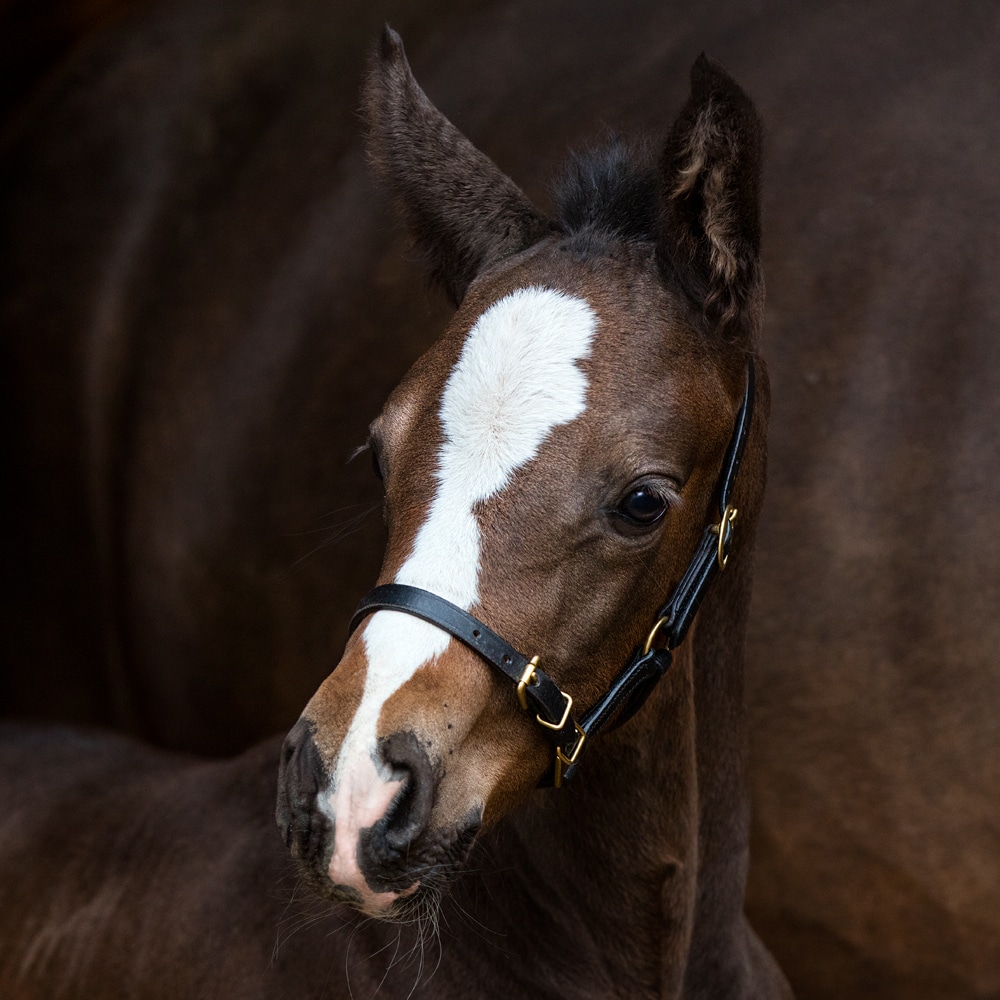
651	909
185	193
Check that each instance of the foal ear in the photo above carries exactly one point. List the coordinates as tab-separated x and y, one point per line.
709	239
462	211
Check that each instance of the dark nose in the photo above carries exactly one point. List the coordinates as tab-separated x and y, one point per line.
384	849
300	775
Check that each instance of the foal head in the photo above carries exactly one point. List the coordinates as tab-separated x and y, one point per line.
549	465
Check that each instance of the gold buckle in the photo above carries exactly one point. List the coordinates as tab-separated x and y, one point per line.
528	677
724	529
562	761
651	638
562	722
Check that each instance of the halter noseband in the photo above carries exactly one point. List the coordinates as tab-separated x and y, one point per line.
536	691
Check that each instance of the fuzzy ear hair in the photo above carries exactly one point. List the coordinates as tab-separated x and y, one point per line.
462	211
709	238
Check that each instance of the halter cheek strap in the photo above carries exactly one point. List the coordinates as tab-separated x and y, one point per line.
536	691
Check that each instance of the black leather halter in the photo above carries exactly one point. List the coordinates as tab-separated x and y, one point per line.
536	691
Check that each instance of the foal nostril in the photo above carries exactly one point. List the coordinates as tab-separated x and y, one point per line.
384	849
300	774
410	811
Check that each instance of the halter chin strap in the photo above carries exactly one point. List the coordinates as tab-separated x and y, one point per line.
536	691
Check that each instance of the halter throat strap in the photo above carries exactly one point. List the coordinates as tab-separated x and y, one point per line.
536	691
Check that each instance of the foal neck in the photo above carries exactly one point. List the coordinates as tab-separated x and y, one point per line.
630	881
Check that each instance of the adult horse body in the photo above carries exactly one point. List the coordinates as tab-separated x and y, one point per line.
146	526
535	475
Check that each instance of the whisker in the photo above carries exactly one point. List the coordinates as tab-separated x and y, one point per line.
392	961
310	910
348	527
360	450
328	517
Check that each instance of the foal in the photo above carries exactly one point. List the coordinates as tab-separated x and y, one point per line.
585	441
549	467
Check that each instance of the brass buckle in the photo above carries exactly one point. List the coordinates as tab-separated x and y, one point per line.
528	677
562	761
562	722
651	638
724	529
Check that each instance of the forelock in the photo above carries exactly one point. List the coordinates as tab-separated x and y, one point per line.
609	193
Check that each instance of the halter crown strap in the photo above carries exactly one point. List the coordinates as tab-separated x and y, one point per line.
536	691
630	689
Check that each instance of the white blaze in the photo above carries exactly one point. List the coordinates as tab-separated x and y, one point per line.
516	379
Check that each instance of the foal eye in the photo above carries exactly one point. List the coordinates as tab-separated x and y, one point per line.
376	467
642	507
